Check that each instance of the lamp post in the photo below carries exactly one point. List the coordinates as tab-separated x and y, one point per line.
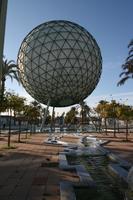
3	10
114	104
9	130
123	103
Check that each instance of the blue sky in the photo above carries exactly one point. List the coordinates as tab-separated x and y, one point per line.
109	21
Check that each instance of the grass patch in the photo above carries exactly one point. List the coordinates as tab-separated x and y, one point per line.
10	147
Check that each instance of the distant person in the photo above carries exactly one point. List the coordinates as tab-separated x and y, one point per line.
4	126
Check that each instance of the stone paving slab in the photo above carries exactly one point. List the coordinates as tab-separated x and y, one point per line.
24	177
7	190
36	192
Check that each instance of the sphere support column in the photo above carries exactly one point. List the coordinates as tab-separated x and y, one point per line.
3	10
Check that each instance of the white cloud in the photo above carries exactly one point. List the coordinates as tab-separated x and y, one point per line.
125	97
112	65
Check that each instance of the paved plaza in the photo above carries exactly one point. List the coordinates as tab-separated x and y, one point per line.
119	145
29	170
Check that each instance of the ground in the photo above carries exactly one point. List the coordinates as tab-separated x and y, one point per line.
119	145
29	170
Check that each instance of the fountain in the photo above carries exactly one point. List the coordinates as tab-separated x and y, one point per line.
101	178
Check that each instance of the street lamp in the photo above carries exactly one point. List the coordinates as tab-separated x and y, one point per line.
114	117
3	9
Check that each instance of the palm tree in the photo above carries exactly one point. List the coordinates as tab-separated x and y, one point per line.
96	119
127	67
85	114
70	117
112	113
17	105
9	69
84	111
32	114
38	107
102	110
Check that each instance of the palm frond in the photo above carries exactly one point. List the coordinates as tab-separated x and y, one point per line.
121	74
11	62
127	67
11	77
16	77
9	68
131	51
129	58
130	43
122	81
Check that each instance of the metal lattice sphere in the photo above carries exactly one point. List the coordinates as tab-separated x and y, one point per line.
59	61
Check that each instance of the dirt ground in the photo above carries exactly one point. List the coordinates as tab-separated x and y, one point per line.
29	170
119	145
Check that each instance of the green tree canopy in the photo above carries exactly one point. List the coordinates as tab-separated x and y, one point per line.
71	116
16	103
85	110
31	113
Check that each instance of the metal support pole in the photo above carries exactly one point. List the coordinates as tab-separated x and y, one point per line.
52	120
3	10
45	115
92	121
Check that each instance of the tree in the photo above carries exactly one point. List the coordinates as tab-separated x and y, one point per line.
102	110
112	113
96	119
12	102
85	114
9	69
3	107
4	103
127	67
9	108
38	107
85	110
126	114
70	117
32	114
17	105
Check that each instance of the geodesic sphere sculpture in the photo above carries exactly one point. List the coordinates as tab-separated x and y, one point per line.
59	61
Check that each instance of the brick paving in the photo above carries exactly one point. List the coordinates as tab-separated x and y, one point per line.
30	170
